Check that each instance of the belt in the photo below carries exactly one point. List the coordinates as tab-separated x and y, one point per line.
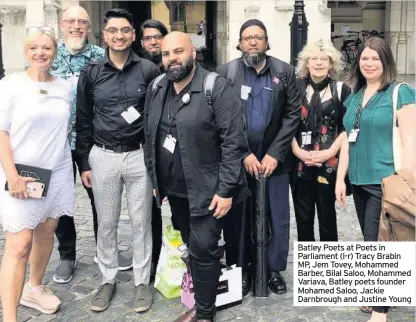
119	148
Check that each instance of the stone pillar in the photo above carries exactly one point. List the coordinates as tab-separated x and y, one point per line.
222	32
13	19
400	34
51	12
276	21
34	13
318	16
280	44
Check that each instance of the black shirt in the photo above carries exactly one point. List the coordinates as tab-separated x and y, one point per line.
170	170
104	92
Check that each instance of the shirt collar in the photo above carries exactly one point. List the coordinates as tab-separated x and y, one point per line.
132	58
65	52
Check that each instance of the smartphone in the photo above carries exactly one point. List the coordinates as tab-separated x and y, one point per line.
35	189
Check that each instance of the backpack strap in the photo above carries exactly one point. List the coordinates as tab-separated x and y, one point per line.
209	83
232	70
156	81
396	134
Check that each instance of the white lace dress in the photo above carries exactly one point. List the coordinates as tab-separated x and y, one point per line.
37	117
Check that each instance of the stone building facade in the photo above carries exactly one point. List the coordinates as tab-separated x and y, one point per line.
395	18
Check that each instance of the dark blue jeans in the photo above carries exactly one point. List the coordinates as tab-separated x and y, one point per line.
367	199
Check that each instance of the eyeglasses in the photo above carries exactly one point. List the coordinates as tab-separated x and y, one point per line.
322	59
81	22
42	29
250	38
155	37
114	31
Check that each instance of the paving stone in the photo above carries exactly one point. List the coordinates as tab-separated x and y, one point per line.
82	289
77	294
124	277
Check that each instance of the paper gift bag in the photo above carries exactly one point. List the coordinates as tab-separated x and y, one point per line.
229	288
187	296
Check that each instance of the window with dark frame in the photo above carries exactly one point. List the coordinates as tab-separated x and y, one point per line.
179	13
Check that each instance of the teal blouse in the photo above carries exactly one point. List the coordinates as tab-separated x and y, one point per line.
371	156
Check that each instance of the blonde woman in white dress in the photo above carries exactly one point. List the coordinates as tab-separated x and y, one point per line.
34	128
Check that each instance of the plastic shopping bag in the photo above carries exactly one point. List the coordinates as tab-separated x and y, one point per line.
170	270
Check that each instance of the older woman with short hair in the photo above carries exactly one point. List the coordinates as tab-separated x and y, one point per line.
318	141
34	127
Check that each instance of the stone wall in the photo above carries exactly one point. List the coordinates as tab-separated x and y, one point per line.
13	19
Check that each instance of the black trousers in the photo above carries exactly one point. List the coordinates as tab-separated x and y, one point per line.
306	195
156	232
236	234
367	199
201	234
65	230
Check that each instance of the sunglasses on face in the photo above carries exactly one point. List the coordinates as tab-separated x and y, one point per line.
43	29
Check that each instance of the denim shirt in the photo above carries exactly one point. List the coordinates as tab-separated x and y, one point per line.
258	105
68	67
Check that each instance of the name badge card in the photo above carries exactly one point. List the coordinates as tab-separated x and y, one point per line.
130	115
170	143
307	138
245	92
352	138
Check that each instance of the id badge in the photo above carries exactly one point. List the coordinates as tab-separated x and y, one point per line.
245	92
352	138
307	138
170	143
130	115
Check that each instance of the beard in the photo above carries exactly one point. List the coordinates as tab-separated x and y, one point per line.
74	45
178	74
155	58
254	59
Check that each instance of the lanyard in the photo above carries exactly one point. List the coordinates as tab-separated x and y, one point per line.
359	110
171	118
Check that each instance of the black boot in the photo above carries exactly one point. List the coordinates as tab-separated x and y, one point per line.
277	283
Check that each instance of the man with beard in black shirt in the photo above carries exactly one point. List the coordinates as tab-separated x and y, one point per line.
194	153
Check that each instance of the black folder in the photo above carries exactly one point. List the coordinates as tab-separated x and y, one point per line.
39	174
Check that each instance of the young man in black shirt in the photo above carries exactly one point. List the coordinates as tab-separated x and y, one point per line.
110	102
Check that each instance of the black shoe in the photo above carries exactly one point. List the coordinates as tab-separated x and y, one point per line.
246	284
277	283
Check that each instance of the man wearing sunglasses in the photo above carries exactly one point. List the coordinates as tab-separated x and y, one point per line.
73	53
110	101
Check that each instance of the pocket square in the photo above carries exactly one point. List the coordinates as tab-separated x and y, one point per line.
276	80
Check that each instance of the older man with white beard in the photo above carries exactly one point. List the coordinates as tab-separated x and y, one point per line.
74	52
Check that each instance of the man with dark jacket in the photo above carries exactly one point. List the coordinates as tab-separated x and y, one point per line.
110	102
194	153
271	105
